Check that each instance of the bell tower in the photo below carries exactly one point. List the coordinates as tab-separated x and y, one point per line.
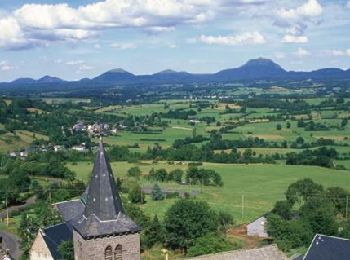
103	231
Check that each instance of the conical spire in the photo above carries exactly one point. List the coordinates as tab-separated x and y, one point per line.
102	200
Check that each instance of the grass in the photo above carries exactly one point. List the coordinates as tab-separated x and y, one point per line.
261	185
22	139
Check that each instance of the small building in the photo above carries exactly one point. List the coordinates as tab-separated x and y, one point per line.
46	243
257	228
79	127
328	248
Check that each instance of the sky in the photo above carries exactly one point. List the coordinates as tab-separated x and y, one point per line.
83	38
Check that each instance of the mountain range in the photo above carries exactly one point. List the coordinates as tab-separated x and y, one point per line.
255	69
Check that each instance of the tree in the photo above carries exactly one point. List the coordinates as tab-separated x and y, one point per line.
66	250
176	175
302	190
319	212
187	220
279	127
157	193
194	132
338	196
288	125
283	209
135	194
225	220
134	172
344	123
159	175
289	234
154	233
345	233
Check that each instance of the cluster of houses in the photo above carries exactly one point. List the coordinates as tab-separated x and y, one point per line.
95	129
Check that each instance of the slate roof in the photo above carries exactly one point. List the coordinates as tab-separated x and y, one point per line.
70	209
270	252
55	235
328	248
103	211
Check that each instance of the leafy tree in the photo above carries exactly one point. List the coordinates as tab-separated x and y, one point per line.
134	172
154	233
319	212
346	230
288	125
136	214
338	196
283	209
66	250
157	193
289	234
176	175
159	175
302	190
279	127
187	220
225	220
135	194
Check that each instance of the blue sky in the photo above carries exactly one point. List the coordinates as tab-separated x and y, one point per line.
76	39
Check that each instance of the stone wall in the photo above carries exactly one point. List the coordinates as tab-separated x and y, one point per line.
95	248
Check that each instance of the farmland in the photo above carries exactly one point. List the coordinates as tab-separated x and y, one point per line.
261	185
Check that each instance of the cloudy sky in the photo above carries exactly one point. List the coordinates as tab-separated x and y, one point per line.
82	38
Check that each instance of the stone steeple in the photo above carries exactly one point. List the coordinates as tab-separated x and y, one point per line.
102	199
103	212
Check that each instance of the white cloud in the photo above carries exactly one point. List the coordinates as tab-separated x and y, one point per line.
75	62
123	46
242	39
348	4
85	67
302	52
311	8
338	52
34	24
289	38
5	66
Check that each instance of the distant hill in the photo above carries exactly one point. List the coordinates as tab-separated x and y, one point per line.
254	69
115	76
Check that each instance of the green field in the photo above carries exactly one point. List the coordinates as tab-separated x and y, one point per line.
10	142
261	185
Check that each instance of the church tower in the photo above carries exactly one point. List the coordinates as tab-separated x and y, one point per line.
103	231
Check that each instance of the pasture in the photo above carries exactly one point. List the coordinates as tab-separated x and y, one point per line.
260	185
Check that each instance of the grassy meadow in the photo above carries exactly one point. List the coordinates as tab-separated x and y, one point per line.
261	185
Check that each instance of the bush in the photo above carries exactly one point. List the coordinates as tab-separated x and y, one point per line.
210	243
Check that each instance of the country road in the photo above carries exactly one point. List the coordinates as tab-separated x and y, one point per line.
12	243
31	200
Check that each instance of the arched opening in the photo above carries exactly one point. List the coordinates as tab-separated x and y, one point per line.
118	252
109	253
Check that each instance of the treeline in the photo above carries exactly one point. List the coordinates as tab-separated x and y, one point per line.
193	176
323	157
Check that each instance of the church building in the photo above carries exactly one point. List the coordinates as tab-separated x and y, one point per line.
96	223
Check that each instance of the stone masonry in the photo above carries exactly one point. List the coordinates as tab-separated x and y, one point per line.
93	249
